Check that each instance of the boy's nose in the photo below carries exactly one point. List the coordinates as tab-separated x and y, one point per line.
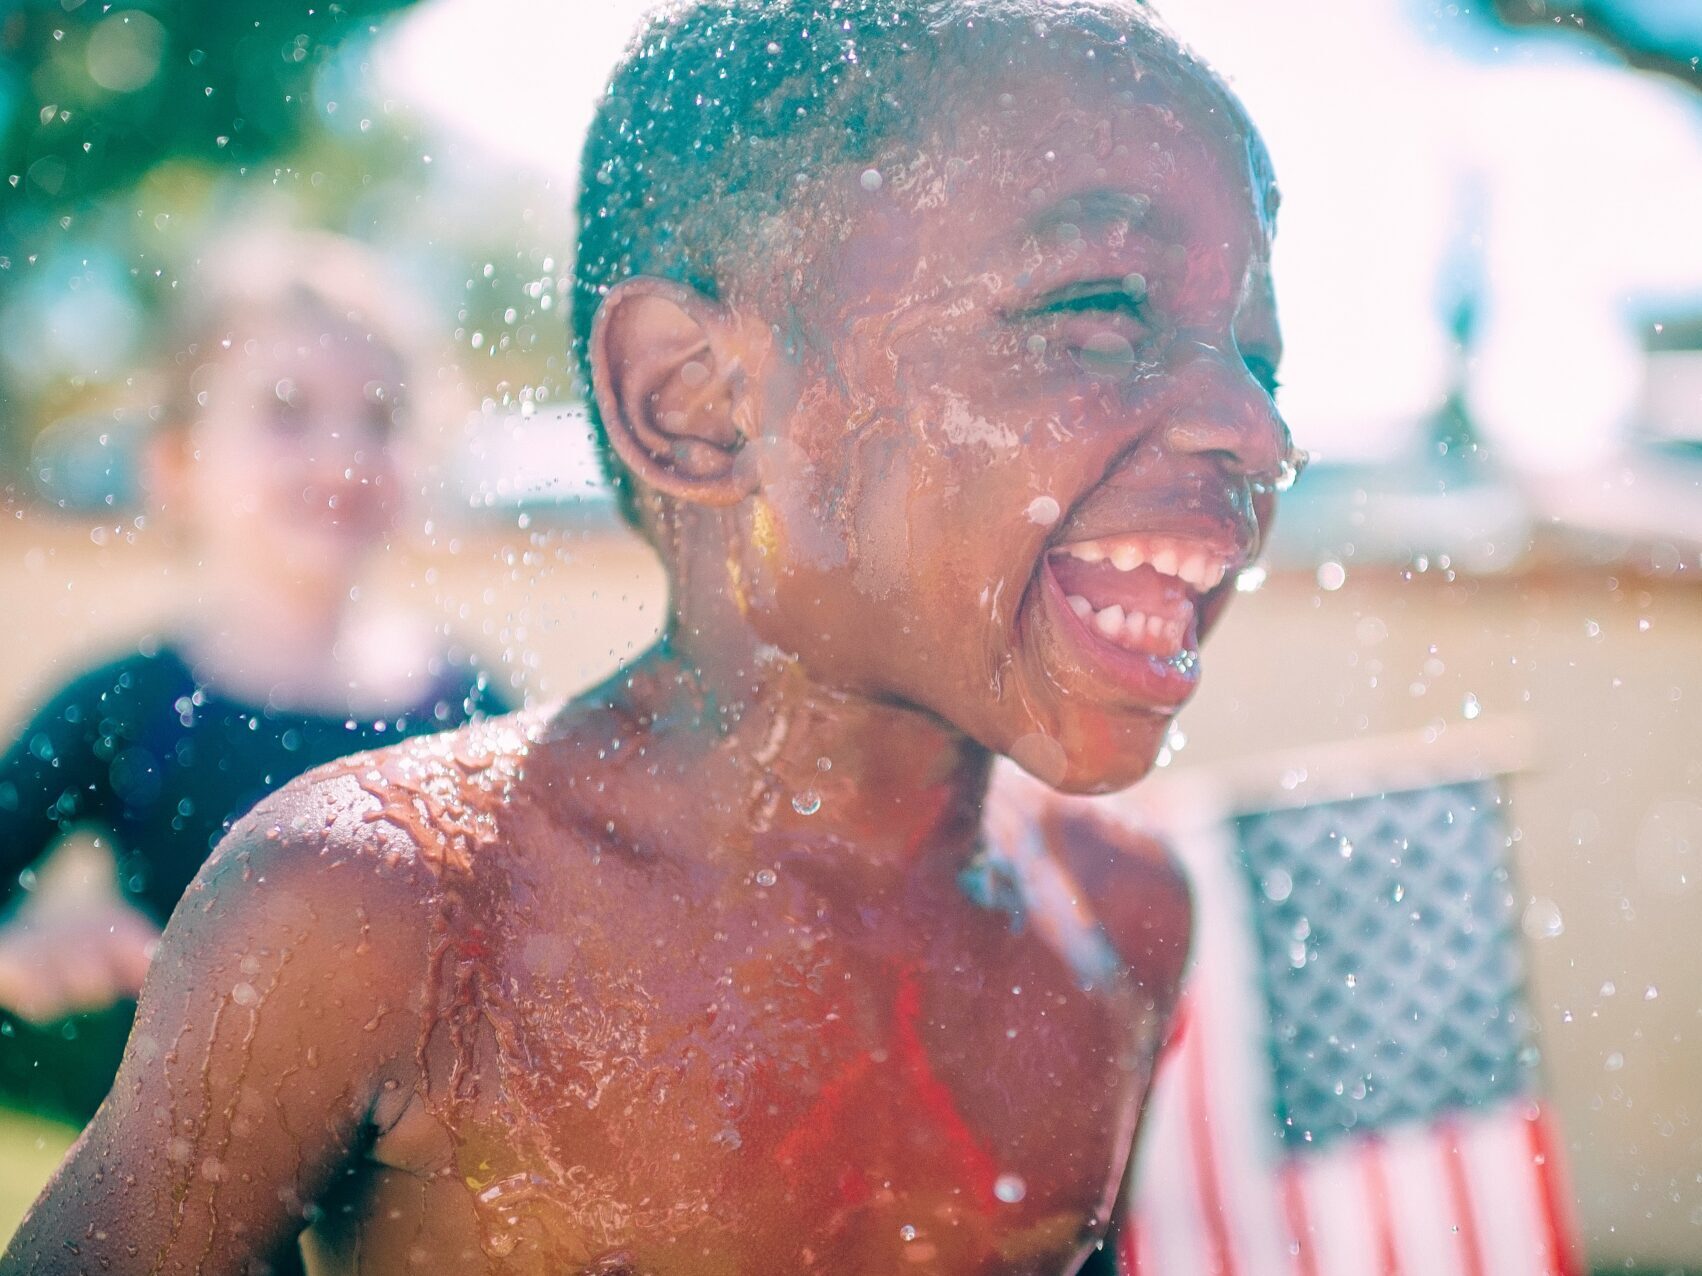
1223	412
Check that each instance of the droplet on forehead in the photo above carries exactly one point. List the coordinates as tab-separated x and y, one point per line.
1044	511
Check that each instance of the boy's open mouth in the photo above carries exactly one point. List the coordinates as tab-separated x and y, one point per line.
1135	600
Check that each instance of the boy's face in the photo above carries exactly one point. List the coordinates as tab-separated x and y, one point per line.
1026	432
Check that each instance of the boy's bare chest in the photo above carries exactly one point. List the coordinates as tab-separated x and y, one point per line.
776	1083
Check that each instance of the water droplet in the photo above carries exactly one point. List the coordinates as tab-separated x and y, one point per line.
1614	1062
907	1232
1251	580
806	803
1278	885
1469	707
766	877
1331	576
1010	1188
1542	919
245	994
1043	511
1289	472
871	179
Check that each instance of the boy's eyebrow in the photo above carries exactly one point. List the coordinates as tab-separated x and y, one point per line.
1095	208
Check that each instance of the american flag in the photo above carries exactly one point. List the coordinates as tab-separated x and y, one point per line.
1352	1089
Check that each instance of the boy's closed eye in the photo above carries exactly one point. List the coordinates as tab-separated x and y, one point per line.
1125	298
1102	324
1103	296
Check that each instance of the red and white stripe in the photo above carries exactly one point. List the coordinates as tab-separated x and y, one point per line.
1474	1194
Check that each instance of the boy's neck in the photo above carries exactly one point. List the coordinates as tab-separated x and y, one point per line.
770	756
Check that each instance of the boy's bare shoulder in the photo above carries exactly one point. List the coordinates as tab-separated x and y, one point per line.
392	829
436	803
1137	888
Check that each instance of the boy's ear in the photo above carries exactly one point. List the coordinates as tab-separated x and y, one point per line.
670	390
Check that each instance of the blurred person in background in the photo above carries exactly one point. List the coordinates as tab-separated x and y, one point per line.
292	377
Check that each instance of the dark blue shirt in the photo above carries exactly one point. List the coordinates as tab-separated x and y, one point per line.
141	748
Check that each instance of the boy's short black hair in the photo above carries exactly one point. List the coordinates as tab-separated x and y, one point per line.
722	112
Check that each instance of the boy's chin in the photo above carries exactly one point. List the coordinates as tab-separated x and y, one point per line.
1112	761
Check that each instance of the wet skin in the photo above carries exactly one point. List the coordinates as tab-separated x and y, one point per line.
728	967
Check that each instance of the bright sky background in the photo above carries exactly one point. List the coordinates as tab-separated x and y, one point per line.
1398	135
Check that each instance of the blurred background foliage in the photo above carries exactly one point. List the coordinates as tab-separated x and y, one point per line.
133	133
1664	36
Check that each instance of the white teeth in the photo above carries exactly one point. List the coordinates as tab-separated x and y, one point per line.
1132	629
1201	569
1127	557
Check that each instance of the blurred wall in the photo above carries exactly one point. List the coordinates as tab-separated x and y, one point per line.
1603	664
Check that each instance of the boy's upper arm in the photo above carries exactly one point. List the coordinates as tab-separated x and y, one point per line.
285	999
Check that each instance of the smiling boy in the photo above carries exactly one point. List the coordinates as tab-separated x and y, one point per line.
933	346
